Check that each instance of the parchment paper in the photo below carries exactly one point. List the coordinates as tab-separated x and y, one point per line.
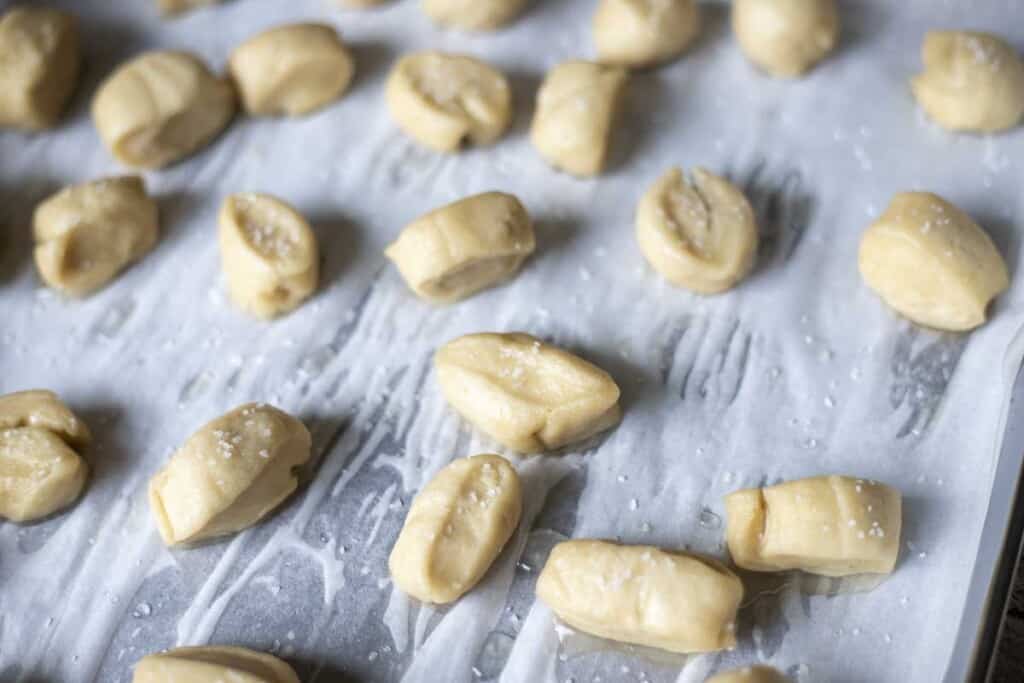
799	371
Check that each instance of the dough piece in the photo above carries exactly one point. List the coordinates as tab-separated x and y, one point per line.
443	101
40	60
161	107
833	526
528	395
229	474
473	15
933	264
213	664
291	70
464	247
700	235
361	4
642	595
269	254
39	471
456	528
86	234
786	37
971	81
641	33
576	106
169	7
749	674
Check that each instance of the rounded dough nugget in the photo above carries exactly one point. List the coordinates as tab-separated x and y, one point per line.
669	600
785	37
86	234
833	526
269	254
228	475
161	107
212	664
700	235
291	70
933	264
456	528
640	33
749	674
971	81
473	15
443	101
40	60
42	409
457	250
576	106
170	7
528	395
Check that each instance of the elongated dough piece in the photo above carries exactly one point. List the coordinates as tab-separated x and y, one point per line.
43	409
213	664
161	107
639	33
749	674
457	250
228	475
456	528
473	15
698	234
87	234
643	595
833	526
172	7
933	264
528	395
40	60
786	37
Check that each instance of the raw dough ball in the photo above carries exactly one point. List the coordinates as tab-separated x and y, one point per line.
269	254
643	595
213	664
932	263
39	471
785	37
971	82
456	528
576	105
86	234
291	70
161	107
833	526
442	100
361	4
229	474
644	32
39	65
459	249
700	235
473	15
749	674
528	395
169	7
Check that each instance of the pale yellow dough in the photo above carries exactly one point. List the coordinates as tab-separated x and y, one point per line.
640	33
362	4
576	107
213	664
269	254
456	528
40	60
527	394
86	234
457	250
642	595
473	15
971	81
169	7
749	674
933	264
444	101
229	475
291	70
40	472
831	525
161	107
698	234
786	37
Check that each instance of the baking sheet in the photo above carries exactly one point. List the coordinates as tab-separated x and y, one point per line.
799	371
